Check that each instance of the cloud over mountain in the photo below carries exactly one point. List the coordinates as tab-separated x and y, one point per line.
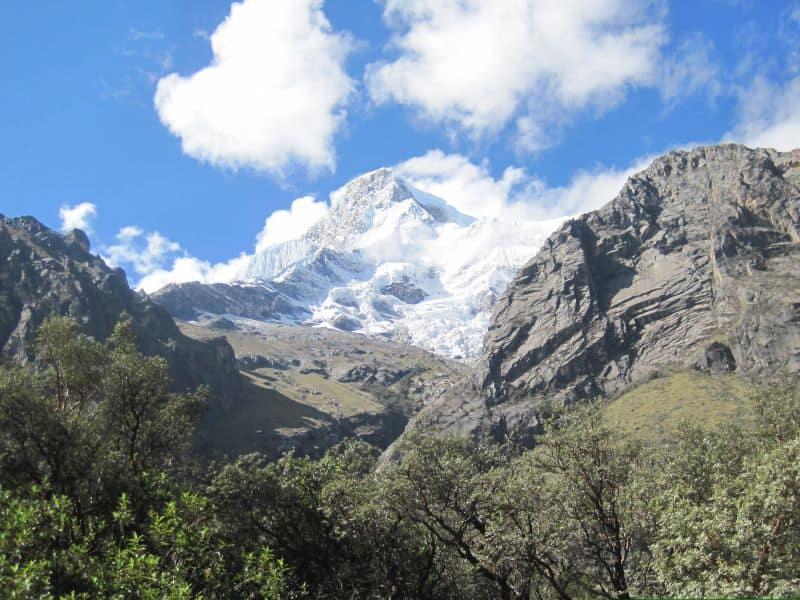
155	260
769	115
284	225
515	194
79	216
276	65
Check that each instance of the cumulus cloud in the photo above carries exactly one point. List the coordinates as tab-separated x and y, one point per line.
157	261
285	225
273	95
143	252
769	115
480	63
515	194
587	190
185	269
466	186
79	216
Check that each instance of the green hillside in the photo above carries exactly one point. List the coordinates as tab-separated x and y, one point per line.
658	405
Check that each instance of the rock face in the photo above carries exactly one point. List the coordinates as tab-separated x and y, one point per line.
261	302
43	273
696	263
405	290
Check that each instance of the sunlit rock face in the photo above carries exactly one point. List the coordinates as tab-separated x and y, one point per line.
695	264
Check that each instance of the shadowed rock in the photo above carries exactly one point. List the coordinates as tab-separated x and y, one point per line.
44	273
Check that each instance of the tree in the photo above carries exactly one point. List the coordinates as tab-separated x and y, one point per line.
146	427
449	487
726	504
48	429
583	469
284	505
74	365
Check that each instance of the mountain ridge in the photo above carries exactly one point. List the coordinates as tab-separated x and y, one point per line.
43	272
693	265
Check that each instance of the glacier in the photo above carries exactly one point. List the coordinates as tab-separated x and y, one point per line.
389	260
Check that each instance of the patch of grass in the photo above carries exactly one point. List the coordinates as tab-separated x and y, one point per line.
326	395
657	406
248	426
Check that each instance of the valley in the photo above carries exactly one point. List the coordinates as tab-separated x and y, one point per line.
306	389
635	387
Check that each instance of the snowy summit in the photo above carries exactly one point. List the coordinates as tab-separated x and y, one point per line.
387	259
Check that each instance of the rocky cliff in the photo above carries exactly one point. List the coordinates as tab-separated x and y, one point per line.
695	264
259	302
43	272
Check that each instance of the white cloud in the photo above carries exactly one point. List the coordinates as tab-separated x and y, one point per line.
272	97
515	195
79	216
468	187
532	135
143	252
158	261
285	225
478	63
769	115
185	269
129	232
587	190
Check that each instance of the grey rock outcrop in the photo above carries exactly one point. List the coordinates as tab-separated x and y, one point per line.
695	264
261	302
405	290
366	373
43	273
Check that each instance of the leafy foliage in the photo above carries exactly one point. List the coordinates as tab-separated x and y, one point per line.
99	497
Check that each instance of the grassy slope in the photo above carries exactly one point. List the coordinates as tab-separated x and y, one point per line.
278	401
660	404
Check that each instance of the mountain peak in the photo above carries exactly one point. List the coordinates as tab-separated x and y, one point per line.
378	188
377	214
383	260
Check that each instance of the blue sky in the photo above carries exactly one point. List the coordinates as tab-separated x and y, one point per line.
168	151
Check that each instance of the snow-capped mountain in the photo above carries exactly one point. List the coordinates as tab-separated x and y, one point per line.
387	259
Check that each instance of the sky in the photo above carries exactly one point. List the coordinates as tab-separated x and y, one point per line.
183	135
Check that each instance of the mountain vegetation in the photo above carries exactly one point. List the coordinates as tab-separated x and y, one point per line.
101	498
43	273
